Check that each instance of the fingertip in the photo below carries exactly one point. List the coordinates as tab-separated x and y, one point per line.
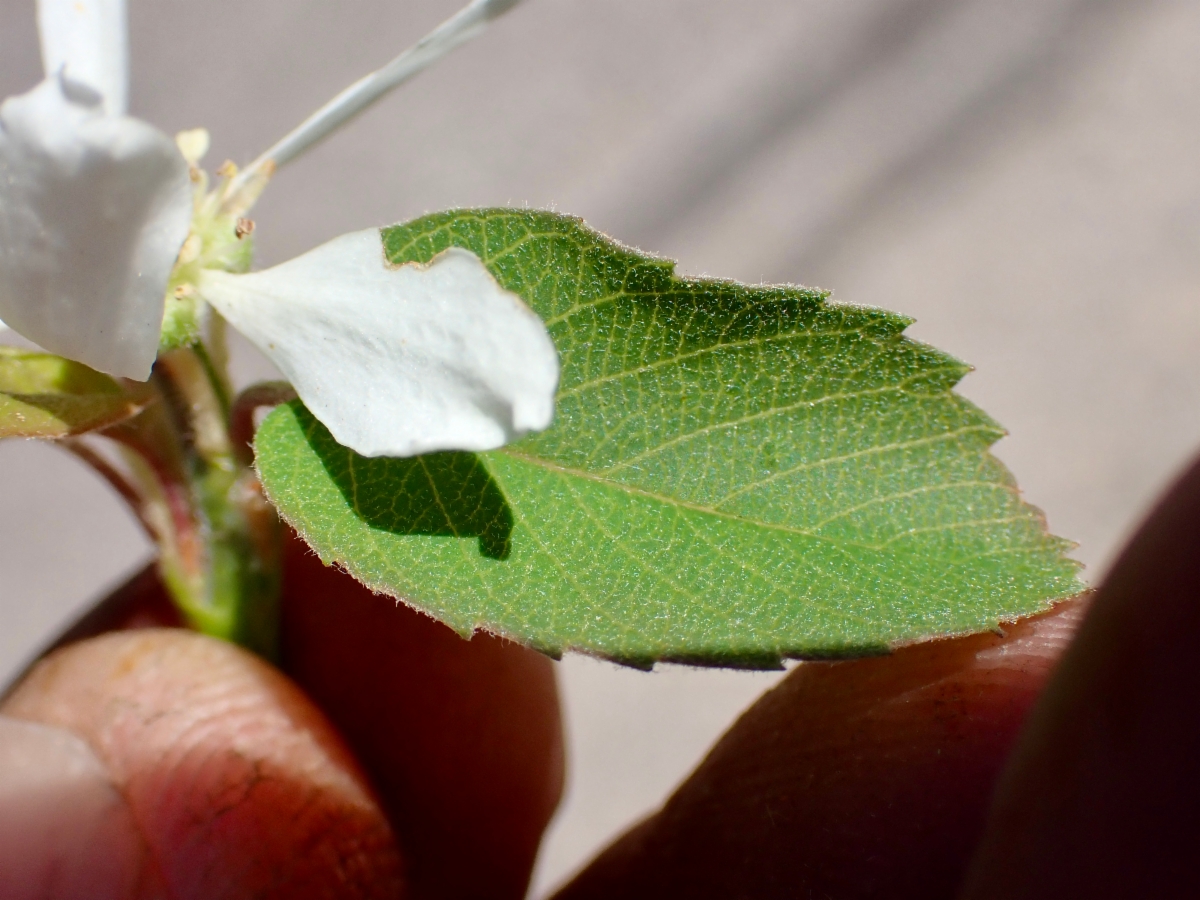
850	779
238	785
65	830
1100	796
463	738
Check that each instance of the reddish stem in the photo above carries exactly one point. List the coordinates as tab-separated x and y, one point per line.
116	480
241	415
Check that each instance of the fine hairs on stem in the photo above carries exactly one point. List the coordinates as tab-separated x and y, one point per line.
467	23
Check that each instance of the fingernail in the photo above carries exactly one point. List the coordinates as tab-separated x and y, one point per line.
65	830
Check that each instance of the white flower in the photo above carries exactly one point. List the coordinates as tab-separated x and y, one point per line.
96	208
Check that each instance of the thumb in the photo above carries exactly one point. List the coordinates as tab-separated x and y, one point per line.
860	778
191	770
65	831
1101	797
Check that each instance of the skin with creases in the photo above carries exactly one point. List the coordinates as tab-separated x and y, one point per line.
461	742
848	780
237	784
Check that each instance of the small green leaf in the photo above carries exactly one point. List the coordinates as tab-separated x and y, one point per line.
735	474
46	396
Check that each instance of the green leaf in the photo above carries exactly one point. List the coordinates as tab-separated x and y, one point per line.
46	396
735	474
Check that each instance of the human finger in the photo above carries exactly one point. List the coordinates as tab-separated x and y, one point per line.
224	780
1102	794
462	738
849	779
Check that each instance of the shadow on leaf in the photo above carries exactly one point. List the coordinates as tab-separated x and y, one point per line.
450	494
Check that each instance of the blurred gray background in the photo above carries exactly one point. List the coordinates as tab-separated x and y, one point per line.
1021	176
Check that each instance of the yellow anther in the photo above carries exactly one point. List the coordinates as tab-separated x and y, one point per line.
193	144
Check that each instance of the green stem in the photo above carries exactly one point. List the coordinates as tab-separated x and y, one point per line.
217	382
219	538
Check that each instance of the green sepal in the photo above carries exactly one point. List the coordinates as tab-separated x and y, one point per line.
46	396
215	242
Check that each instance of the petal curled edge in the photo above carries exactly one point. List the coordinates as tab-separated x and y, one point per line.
398	361
87	41
93	211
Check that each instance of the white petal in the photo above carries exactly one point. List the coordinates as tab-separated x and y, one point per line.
397	361
88	41
93	210
468	23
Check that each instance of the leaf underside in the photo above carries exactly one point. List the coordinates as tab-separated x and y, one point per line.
735	474
46	396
